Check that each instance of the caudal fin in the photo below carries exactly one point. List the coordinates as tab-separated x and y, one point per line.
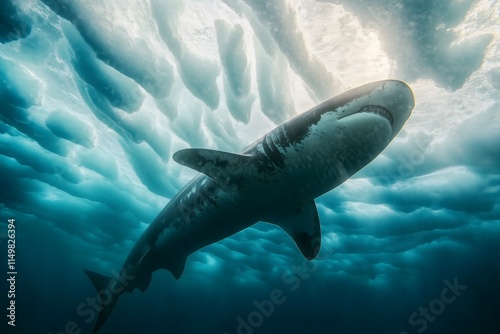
107	299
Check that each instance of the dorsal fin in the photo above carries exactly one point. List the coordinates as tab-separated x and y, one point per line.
228	170
301	222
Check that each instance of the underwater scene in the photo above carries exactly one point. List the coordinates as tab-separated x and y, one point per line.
250	166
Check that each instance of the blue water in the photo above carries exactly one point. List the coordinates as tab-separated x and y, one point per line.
95	98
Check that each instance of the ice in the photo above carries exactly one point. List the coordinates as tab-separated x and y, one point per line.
67	126
118	88
14	24
95	97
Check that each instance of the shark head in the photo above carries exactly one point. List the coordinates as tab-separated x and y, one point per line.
340	136
359	124
382	106
361	128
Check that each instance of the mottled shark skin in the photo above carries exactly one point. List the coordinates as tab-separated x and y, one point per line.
274	180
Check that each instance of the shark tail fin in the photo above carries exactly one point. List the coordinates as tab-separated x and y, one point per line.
107	299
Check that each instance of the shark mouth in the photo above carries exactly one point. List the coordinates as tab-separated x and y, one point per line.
379	111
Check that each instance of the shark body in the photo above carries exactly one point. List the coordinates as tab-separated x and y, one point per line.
274	180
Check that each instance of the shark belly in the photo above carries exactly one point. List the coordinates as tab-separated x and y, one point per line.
202	215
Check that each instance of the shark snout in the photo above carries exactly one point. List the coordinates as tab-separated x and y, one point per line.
397	97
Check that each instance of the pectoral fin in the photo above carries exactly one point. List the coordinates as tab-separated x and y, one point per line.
301	222
228	170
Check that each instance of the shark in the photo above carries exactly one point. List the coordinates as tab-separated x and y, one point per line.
276	180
